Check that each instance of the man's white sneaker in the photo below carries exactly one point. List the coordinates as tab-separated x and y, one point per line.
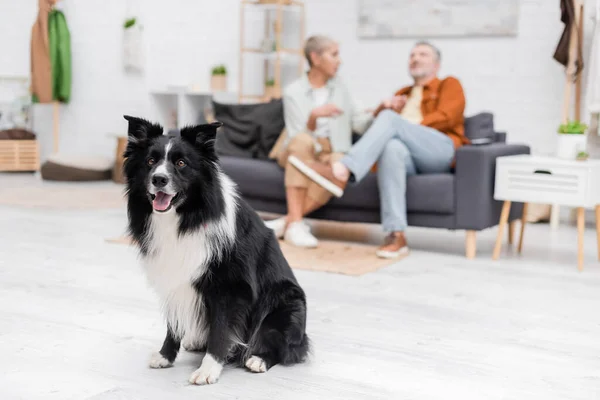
278	226
298	234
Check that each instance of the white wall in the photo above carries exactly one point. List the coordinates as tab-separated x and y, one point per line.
516	78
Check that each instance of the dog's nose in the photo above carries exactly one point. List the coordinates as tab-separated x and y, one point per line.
159	180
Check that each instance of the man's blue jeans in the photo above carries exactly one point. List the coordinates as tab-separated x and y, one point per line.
400	148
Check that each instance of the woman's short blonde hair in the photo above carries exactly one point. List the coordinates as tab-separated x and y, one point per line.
316	44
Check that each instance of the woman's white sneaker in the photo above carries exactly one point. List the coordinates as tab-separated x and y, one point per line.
278	226
298	234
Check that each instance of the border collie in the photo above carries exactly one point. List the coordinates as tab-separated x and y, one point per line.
222	280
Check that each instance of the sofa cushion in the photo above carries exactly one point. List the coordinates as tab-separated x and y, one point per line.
480	126
255	178
249	130
432	193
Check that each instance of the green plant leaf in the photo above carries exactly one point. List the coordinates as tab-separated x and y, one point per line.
572	127
129	23
219	70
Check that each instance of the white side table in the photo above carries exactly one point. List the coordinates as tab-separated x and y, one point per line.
547	180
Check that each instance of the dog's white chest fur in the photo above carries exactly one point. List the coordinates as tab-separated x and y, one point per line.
172	264
175	261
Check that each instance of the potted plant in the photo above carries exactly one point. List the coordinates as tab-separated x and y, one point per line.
571	139
582	156
218	81
132	45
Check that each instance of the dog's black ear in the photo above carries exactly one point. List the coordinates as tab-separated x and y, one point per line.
204	134
140	129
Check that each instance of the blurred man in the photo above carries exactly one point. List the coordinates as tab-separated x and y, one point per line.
416	131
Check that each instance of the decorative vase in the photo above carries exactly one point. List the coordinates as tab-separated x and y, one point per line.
218	83
570	144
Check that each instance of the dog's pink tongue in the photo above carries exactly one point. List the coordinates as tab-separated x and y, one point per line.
162	201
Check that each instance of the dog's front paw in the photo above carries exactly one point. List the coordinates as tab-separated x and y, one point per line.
208	373
256	364
158	361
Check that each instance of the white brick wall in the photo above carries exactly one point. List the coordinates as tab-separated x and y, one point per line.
515	78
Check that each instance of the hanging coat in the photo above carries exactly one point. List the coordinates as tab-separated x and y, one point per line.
41	68
561	54
60	56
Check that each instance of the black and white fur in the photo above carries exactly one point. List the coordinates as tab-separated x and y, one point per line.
223	282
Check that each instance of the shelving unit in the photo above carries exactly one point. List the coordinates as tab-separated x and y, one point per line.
279	54
17	155
174	109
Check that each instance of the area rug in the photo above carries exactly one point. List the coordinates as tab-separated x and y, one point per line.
337	257
65	196
331	256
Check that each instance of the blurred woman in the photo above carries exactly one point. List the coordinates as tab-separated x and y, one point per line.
320	117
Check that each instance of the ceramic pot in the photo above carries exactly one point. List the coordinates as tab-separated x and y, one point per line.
569	144
218	83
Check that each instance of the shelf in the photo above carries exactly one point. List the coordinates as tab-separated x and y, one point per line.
267	53
176	107
284	56
187	92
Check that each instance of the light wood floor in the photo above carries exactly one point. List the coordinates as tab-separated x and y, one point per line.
77	321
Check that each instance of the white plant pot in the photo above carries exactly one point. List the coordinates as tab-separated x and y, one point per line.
133	48
569	145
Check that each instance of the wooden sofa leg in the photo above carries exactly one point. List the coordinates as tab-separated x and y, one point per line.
471	244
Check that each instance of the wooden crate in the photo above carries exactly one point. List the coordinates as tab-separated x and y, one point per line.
19	155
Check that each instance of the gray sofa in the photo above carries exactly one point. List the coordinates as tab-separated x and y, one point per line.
460	200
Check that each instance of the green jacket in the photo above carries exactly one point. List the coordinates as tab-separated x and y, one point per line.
60	56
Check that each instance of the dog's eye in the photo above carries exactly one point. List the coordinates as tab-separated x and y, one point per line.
180	163
151	161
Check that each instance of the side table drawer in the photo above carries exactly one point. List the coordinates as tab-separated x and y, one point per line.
542	184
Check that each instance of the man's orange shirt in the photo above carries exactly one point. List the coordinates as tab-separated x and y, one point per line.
443	107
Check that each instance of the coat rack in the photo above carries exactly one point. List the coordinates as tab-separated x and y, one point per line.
573	78
55	126
55	115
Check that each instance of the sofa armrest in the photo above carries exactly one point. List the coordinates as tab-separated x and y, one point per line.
475	175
